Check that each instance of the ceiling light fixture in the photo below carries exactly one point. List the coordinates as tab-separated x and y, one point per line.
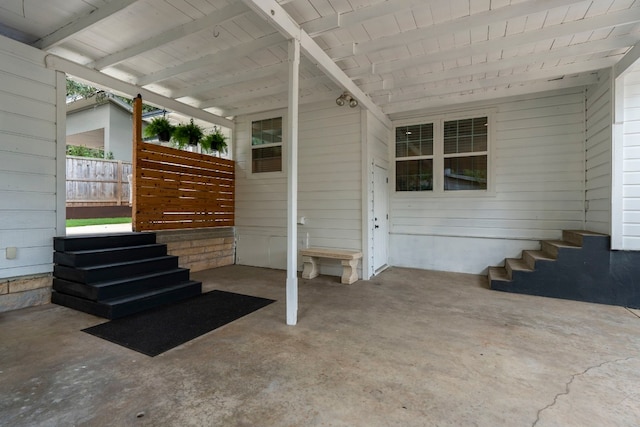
346	98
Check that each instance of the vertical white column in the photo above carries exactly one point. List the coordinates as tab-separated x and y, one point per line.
292	183
61	153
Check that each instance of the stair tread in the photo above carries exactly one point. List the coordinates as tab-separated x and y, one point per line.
98	241
541	255
498	273
142	295
561	243
518	264
124	263
112	282
116	249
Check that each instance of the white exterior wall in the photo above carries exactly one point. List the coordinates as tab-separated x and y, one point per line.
31	200
329	189
598	154
119	134
631	162
117	125
537	154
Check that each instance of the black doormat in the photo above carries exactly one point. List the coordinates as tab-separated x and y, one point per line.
156	331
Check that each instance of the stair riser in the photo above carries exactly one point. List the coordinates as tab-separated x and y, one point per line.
116	271
114	311
110	256
549	248
86	243
129	287
529	259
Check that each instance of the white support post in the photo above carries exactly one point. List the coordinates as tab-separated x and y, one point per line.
617	162
292	183
61	137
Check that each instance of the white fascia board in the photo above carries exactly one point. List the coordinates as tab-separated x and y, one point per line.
60	64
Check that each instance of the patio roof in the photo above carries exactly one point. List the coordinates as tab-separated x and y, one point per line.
230	58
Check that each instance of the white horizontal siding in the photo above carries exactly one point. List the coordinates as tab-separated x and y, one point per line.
537	154
329	188
631	162
28	168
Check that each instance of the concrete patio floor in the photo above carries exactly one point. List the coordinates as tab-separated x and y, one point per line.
408	348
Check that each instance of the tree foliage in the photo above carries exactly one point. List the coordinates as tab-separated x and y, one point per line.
77	90
81	151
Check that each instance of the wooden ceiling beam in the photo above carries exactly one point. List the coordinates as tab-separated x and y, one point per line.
613	19
432	103
448	27
111	83
281	20
588	48
82	23
215	18
220	57
532	75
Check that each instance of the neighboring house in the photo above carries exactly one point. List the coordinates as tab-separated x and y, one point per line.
102	121
462	167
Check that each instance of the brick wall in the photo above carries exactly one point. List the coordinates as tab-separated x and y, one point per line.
200	248
25	291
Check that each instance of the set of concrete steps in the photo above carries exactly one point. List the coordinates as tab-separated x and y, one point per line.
117	275
579	267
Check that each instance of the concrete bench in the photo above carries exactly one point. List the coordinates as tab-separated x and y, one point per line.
349	260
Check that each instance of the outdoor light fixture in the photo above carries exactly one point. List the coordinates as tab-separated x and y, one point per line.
347	98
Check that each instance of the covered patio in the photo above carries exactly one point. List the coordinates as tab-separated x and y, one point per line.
408	348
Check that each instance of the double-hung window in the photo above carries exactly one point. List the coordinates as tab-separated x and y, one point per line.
443	155
266	145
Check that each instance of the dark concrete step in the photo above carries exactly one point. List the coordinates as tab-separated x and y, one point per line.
109	255
125	306
101	273
101	241
121	287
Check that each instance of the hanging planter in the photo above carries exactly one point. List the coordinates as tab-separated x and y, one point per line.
214	142
187	134
159	127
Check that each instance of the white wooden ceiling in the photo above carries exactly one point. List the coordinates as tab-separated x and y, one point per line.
405	55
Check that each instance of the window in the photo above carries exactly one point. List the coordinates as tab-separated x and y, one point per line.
414	151
443	155
266	145
465	154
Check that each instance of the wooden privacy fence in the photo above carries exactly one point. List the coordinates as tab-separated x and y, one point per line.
178	189
97	182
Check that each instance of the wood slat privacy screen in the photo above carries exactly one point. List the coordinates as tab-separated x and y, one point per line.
178	189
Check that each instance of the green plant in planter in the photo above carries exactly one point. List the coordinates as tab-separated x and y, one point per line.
187	134
161	127
215	141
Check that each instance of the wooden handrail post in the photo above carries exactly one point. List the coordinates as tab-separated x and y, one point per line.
137	145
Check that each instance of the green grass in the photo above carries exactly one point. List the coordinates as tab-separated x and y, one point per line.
96	221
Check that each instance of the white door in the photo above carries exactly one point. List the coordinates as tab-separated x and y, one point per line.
380	218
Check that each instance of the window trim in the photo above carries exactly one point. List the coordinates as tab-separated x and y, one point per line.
439	156
265	116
